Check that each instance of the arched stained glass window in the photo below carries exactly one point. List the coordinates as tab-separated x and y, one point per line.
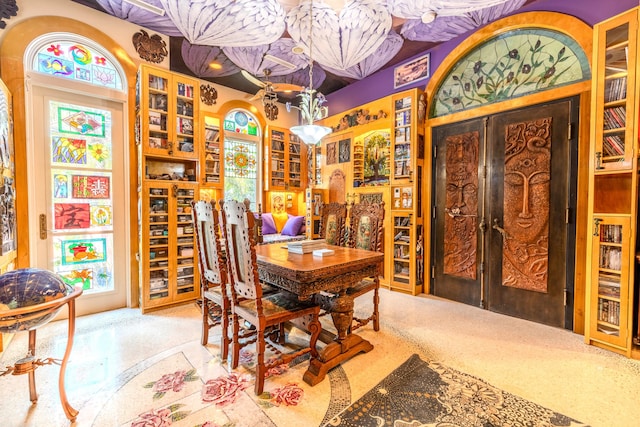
73	57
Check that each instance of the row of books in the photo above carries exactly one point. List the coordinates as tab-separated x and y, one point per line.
403	118
615	117
610	257
609	311
403	103
615	89
610	233
185	90
211	134
184	126
613	145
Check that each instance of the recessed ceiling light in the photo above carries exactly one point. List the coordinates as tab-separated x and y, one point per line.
428	17
215	66
297	49
146	6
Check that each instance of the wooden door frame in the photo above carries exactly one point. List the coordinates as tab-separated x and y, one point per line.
583	35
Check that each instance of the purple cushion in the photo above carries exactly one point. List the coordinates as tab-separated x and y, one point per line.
293	225
268	225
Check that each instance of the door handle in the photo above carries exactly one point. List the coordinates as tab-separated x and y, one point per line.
500	230
43	227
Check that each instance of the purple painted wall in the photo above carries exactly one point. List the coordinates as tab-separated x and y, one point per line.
380	84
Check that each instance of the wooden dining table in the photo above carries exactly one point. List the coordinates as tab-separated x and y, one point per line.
326	280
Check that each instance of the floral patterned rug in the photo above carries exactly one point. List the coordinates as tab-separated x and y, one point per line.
422	394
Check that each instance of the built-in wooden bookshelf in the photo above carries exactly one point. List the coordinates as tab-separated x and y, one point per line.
167	135
212	153
613	192
286	161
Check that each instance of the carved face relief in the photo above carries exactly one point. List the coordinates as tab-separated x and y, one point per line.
527	175
461	204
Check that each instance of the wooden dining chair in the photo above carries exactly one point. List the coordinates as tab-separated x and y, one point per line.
366	231
333	220
213	273
267	313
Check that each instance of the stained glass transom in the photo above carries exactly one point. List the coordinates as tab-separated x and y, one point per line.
77	61
511	65
241	122
240	159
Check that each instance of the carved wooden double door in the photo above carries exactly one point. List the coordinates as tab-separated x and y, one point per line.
503	221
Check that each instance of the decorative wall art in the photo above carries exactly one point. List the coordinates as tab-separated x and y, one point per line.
332	153
376	157
208	94
150	48
411	72
80	122
344	150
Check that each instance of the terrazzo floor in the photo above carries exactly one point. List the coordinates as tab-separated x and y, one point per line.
115	352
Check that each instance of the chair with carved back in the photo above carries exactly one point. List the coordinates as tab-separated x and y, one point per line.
366	231
333	220
267	313
216	305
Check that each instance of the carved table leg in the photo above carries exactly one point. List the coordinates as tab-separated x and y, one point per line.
343	347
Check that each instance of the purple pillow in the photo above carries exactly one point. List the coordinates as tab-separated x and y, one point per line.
292	227
268	225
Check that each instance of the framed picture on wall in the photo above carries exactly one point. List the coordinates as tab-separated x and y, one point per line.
344	150
332	153
409	72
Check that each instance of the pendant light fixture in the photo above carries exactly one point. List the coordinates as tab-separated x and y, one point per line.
311	103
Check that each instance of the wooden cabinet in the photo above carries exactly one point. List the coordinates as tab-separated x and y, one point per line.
613	201
168	107
407	153
167	126
286	158
169	273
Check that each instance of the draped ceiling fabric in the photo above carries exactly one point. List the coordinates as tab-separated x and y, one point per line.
340	40
252	58
351	39
446	27
227	22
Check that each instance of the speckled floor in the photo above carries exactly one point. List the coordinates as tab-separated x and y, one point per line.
117	353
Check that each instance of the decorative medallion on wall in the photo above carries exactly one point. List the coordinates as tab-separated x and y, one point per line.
150	48
208	94
8	8
371	198
510	65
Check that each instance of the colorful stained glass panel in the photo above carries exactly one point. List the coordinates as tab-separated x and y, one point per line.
77	61
90	187
83	251
71	216
68	150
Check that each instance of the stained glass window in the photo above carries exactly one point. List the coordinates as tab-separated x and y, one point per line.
241	157
70	57
513	64
81	180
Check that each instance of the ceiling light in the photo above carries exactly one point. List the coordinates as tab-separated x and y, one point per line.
298	50
215	66
146	6
311	103
279	61
428	17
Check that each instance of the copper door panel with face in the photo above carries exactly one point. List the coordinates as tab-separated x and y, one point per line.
528	191
457	189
